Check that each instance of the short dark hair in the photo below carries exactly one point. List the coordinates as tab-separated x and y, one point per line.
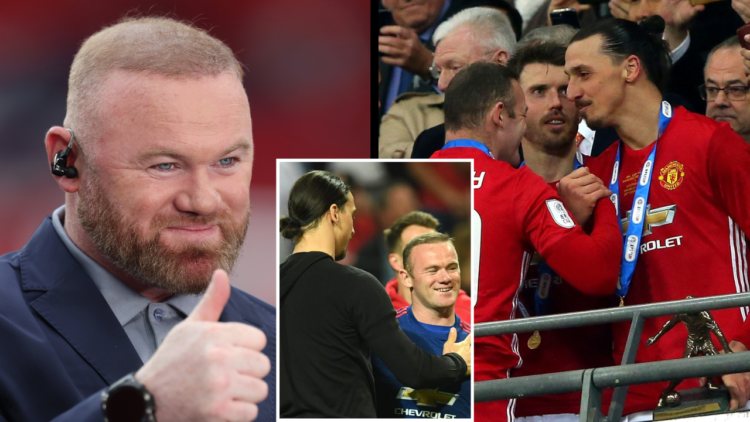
474	91
556	34
311	197
414	218
623	38
552	54
423	239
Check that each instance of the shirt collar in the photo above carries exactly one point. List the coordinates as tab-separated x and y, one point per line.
125	302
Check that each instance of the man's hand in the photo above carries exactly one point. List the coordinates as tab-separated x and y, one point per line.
737	384
580	190
206	370
746	57
401	47
619	8
463	348
651	340
677	15
565	4
742	7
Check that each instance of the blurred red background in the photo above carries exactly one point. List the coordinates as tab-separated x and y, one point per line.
307	78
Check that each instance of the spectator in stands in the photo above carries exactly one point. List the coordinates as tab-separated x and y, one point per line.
725	89
516	21
691	32
557	34
432	273
473	35
397	236
406	47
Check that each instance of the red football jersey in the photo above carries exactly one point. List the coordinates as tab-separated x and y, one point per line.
515	213
693	241
568	349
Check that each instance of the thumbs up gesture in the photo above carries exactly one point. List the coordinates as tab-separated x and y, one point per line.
206	370
463	348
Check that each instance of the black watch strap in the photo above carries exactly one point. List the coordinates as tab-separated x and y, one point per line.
128	400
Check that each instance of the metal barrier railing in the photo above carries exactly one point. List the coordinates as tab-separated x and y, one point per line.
592	381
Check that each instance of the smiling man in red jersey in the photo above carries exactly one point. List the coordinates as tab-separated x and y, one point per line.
680	183
516	212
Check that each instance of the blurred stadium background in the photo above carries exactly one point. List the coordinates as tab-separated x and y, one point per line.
383	192
307	77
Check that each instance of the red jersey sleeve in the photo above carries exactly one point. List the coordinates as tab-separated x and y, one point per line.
729	174
590	263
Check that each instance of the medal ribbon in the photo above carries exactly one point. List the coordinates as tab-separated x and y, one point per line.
632	241
468	143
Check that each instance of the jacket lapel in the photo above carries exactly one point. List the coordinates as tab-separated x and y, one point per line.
74	307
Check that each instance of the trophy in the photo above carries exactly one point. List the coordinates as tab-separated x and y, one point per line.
711	398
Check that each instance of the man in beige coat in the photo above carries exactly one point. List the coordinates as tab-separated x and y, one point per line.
472	35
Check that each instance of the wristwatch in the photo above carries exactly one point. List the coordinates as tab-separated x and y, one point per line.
434	75
128	400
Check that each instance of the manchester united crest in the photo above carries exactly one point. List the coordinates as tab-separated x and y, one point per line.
670	176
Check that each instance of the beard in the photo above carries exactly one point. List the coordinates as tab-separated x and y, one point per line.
186	269
341	255
539	134
595	124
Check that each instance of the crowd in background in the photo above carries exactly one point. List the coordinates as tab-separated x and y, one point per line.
420	51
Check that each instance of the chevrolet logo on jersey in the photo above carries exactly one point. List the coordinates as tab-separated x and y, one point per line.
427	397
654	218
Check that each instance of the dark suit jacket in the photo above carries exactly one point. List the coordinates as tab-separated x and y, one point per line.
61	345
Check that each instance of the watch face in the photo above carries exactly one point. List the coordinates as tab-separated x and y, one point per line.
125	404
434	72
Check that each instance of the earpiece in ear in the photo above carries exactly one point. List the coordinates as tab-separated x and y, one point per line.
60	163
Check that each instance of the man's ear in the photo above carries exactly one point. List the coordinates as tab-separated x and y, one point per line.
496	115
57	140
405	279
632	68
499	57
393	260
333	213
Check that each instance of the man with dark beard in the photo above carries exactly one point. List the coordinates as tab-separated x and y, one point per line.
678	182
111	311
550	151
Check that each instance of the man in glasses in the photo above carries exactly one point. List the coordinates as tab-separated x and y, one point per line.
725	89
